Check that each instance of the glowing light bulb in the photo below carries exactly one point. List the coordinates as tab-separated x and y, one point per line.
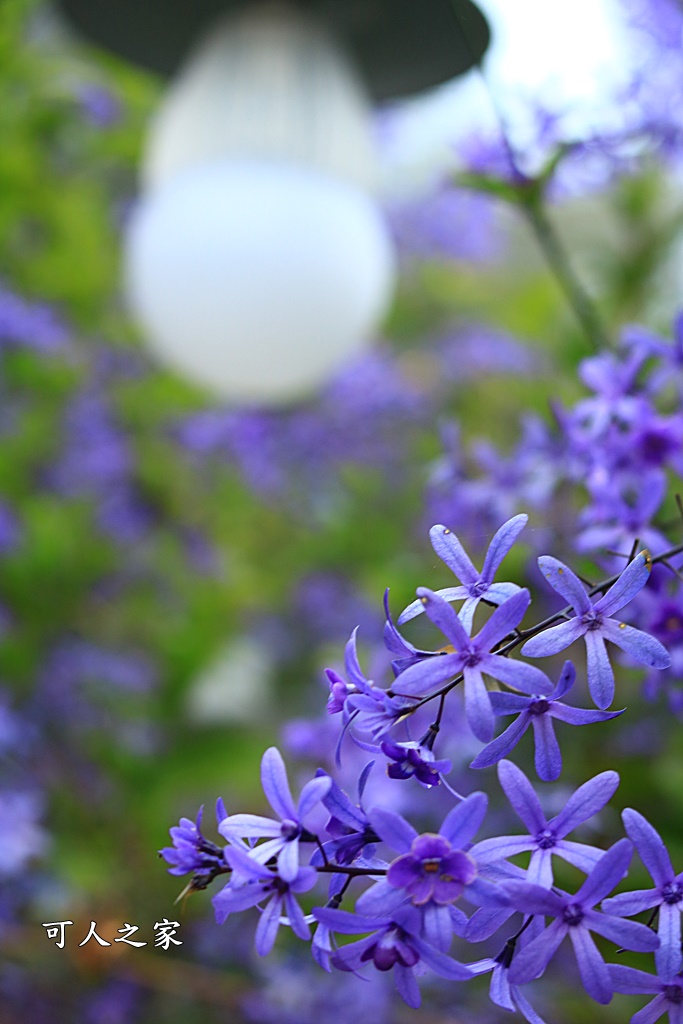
257	262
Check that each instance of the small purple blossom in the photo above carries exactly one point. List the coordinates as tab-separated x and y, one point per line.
594	623
412	760
254	883
473	658
538	711
395	944
282	836
476	586
193	852
574	916
667	895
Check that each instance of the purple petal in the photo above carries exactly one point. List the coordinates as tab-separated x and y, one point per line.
632	981
352	665
444	618
508	703
235	826
592	968
503	744
482	893
588	799
668	957
288	861
649	845
502	541
350	957
312	793
478	706
580	855
439	962
267	928
632	580
345	922
553	640
628	904
489	851
640	646
392	828
526	1009
547	756
540	870
450	550
275	784
406	986
531	961
438	925
654	1010
419	679
497	593
516	673
245	865
466	613
416	608
464	820
565	682
380	900
296	917
522	797
485	921
566	583
628	934
599	671
233	898
580	716
533	899
607	873
503	621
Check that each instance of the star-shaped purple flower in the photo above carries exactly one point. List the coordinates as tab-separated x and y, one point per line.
538	711
472	657
594	623
668	993
394	945
546	839
282	836
254	883
193	852
575	917
410	759
433	870
667	896
476	586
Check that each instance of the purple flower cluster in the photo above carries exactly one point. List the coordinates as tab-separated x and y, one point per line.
361	868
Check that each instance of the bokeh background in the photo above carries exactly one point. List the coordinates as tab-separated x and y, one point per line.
176	571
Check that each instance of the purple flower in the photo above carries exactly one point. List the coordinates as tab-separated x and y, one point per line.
575	916
349	826
395	944
283	835
193	852
411	759
473	657
538	711
433	870
253	883
668	992
667	896
476	586
546	839
594	623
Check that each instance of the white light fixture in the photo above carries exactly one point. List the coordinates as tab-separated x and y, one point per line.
257	263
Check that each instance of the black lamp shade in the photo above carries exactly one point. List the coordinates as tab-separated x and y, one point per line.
400	46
